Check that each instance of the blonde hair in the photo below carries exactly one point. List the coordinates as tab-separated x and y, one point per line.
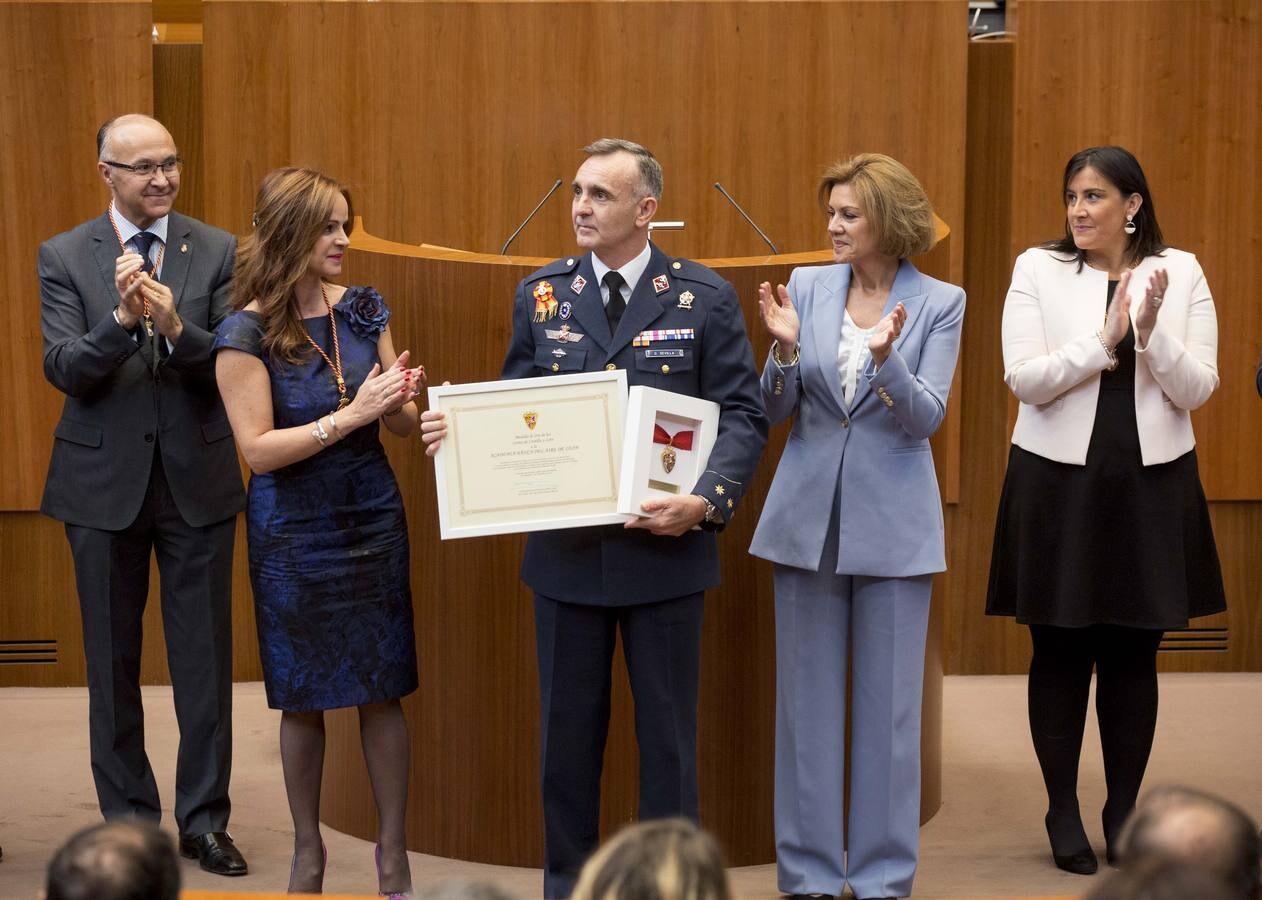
664	859
290	213
890	196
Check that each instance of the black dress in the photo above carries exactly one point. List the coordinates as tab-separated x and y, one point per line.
1110	542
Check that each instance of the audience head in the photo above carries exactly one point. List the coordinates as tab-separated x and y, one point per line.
1186	825
1161	879
663	859
875	206
302	220
122	860
457	889
137	160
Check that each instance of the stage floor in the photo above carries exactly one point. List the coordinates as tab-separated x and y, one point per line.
986	841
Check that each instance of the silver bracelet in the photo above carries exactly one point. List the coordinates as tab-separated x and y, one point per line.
333	424
1111	355
320	434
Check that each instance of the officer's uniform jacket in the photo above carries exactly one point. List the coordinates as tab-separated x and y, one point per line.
708	356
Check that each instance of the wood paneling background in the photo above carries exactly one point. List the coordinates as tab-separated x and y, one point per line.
451	120
64	69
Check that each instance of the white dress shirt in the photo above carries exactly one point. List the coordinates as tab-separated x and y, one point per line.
852	355
630	273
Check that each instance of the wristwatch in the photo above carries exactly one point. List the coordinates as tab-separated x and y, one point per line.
711	513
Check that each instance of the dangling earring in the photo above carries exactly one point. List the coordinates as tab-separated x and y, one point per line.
1130	227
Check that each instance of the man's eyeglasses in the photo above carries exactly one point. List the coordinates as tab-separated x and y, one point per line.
147	169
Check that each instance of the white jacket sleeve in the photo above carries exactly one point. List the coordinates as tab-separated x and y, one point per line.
1034	373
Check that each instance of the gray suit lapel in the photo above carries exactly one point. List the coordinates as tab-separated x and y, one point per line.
177	258
106	252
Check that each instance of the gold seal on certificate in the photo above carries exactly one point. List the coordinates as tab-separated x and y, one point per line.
530	454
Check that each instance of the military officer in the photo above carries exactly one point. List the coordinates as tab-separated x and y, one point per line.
671	324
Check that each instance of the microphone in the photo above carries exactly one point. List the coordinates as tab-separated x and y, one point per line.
552	190
745	215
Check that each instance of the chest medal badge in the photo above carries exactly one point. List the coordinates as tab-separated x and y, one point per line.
545	302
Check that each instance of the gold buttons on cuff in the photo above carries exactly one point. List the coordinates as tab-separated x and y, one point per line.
609	367
665	369
556	367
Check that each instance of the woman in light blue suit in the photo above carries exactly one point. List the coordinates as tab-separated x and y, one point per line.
864	354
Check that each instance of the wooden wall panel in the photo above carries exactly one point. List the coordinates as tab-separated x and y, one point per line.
41	638
65	67
450	120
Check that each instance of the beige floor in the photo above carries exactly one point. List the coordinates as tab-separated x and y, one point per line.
986	841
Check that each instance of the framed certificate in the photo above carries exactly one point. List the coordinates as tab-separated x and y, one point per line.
666	445
530	454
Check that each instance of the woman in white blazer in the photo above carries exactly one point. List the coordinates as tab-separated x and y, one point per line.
1103	538
863	358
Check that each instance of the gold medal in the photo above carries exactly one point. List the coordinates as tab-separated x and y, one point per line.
668	459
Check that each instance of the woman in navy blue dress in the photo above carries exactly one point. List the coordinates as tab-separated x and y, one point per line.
307	370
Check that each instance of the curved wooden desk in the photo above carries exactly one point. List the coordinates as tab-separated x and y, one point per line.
474	720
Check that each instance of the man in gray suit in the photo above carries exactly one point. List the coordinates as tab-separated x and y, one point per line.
143	462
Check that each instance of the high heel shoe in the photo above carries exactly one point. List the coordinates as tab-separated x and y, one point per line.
324	864
390	895
1080	862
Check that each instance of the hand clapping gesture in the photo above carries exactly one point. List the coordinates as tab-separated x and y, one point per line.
383	393
779	318
1146	313
886	332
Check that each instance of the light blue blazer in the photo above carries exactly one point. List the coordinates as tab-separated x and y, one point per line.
888	506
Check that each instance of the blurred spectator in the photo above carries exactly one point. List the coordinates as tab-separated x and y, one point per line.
118	860
1161	879
662	859
1191	826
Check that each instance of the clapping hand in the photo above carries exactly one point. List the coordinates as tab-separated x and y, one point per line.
779	318
1117	319
1146	314
886	332
127	280
381	393
413	379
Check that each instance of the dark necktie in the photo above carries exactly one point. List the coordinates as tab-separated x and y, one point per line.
616	305
144	243
148	347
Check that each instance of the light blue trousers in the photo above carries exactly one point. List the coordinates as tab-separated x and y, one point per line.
881	623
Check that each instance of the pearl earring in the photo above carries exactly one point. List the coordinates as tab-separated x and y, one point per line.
1130	227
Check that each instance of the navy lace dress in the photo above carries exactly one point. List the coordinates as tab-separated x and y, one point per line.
327	536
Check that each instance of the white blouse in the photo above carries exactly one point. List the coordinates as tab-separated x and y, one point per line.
852	355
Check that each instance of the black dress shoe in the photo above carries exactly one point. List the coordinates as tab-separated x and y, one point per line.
1081	861
215	852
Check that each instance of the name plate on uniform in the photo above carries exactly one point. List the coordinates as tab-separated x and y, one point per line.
530	454
666	446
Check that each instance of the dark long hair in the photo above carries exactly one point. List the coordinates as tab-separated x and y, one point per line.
1120	167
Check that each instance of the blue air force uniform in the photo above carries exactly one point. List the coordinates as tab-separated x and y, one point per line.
682	331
